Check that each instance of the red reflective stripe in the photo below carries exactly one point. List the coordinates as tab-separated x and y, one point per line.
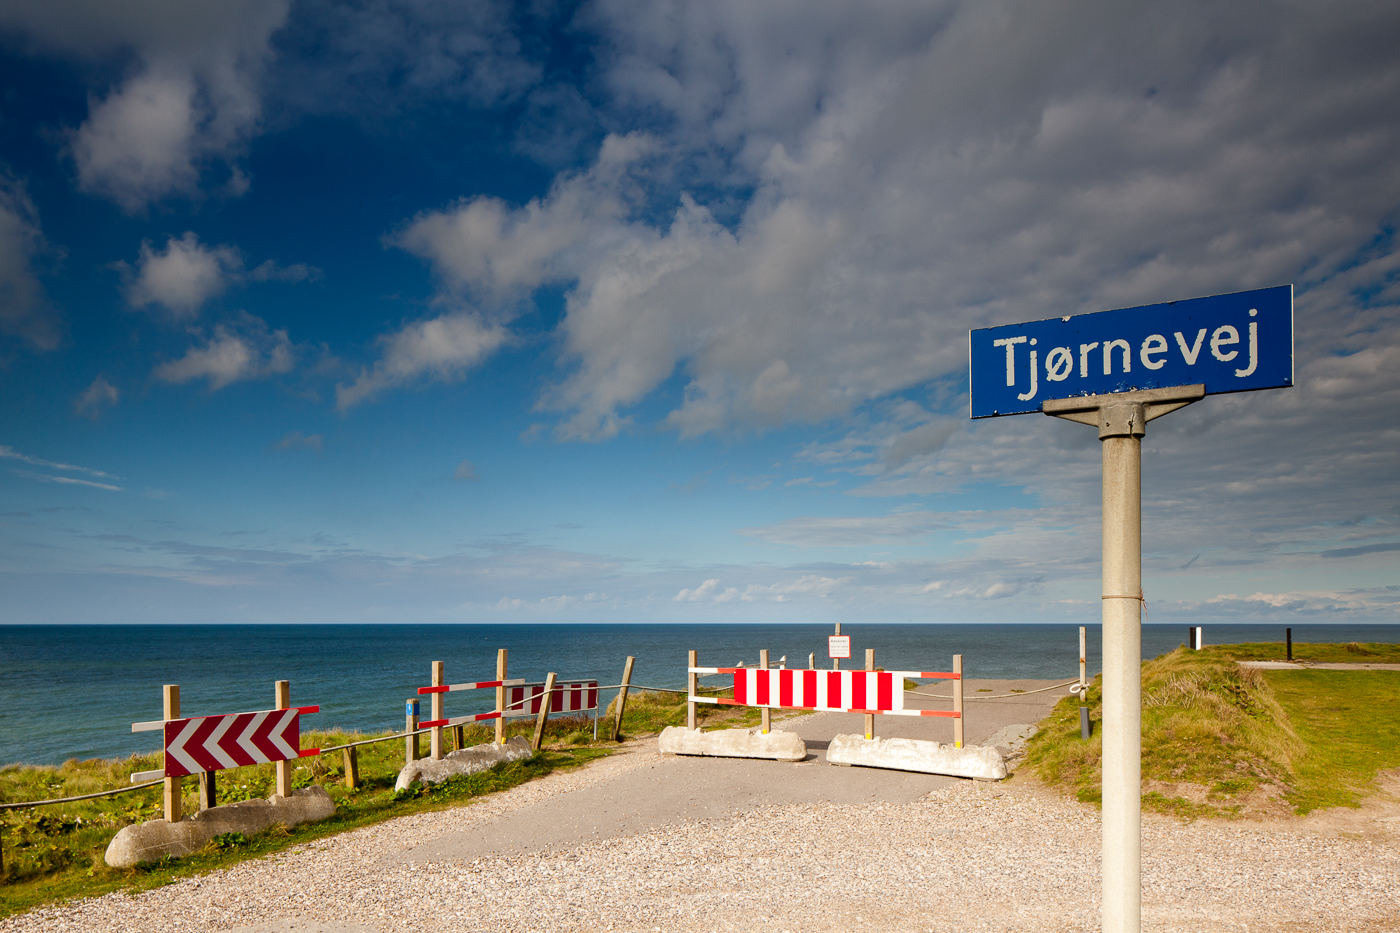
741	687
761	688
858	682
730	670
430	723
307	710
833	690
947	714
310	752
785	688
809	689
730	702
426	690
940	675
884	691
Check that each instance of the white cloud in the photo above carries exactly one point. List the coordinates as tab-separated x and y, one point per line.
900	528
699	593
191	97
25	309
466	472
9	453
244	350
879	181
187	273
295	440
96	398
182	277
440	348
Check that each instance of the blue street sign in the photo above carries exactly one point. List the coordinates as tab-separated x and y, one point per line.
1231	343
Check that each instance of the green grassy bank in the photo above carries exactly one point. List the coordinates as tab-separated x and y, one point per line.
1221	740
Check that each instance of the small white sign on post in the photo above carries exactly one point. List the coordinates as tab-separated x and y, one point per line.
838	646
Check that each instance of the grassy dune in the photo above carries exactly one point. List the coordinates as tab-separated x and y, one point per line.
1221	740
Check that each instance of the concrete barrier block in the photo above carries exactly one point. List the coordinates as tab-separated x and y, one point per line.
970	761
464	761
155	839
733	743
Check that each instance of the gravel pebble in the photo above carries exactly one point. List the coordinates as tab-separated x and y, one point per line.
971	857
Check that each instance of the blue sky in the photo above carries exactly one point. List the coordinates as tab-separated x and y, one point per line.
619	311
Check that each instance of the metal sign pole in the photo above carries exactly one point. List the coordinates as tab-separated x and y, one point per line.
1122	419
1117	370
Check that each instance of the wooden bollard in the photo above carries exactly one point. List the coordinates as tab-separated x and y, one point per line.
282	691
352	767
957	702
546	702
622	696
208	791
435	740
692	681
170	696
410	725
458	738
501	697
766	715
870	717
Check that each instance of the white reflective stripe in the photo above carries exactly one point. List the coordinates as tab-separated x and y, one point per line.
176	749
140	777
154	725
702	670
279	738
245	741
702	699
211	744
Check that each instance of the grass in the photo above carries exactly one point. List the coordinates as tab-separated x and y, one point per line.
1206	723
1219	740
54	853
1353	652
1350	722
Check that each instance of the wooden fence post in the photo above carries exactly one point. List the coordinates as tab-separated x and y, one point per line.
435	742
501	697
410	725
171	703
957	702
282	689
870	717
352	766
692	681
458	738
622	697
546	702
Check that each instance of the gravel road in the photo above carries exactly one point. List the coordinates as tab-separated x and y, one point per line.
964	856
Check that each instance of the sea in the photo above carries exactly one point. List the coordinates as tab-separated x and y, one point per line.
73	691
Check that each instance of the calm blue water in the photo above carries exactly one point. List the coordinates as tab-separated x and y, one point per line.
73	691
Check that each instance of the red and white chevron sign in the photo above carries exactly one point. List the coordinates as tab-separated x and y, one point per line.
212	743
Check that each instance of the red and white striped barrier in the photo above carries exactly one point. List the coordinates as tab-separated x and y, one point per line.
824	691
572	697
473	685
477	685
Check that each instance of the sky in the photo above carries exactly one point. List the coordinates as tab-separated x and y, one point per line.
658	311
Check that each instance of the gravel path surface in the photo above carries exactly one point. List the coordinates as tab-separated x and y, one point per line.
965	857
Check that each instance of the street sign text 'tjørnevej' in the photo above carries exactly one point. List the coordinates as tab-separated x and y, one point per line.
1231	343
